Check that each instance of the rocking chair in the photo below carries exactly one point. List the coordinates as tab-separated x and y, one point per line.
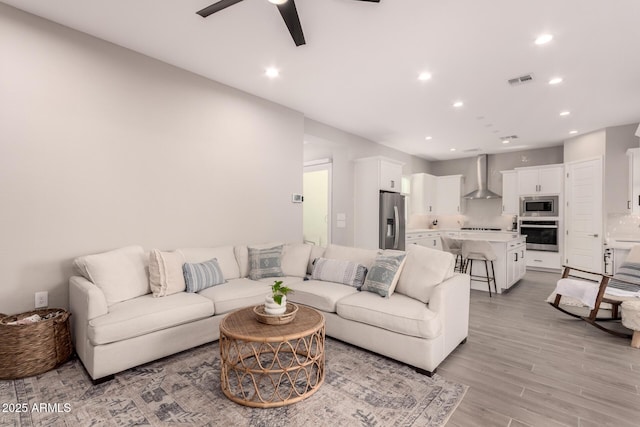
599	292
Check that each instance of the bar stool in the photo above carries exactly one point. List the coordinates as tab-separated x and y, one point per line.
480	250
454	246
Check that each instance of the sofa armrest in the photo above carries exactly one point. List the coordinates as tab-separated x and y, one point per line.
450	299
86	300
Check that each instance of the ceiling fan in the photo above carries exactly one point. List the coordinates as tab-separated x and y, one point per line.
287	9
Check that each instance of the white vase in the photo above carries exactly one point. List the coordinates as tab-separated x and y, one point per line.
272	307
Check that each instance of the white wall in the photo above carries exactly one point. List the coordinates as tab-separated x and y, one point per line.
618	140
326	142
585	146
102	147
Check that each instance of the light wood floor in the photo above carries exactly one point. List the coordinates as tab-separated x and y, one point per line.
528	364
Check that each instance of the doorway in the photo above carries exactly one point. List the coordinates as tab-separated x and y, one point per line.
316	216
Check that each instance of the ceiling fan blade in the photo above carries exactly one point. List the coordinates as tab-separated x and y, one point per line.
373	1
290	15
216	7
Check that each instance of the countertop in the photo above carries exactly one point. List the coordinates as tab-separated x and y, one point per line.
621	243
490	236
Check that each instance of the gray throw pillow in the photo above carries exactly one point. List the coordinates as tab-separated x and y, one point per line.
265	262
202	275
383	275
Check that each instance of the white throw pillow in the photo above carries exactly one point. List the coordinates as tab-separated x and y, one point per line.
424	268
316	252
120	273
224	254
165	273
295	258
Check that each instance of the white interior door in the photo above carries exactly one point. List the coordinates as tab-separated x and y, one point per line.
316	208
583	216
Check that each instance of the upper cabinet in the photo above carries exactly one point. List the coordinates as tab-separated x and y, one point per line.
510	197
540	180
449	199
390	175
423	194
633	202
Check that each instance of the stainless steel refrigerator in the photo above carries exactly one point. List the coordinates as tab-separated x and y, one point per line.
392	226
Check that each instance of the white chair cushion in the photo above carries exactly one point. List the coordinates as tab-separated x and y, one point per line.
146	314
237	293
423	269
120	274
318	294
224	254
398	313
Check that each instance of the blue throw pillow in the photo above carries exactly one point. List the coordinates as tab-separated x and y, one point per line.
202	275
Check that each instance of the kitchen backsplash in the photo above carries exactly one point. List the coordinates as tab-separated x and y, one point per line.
503	222
622	226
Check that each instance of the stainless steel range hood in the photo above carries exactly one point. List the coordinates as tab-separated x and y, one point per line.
483	191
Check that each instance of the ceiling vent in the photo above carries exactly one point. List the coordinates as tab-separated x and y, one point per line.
527	78
509	137
471	150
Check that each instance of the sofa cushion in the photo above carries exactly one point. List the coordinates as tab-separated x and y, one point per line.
120	274
295	258
365	257
265	262
236	293
319	295
224	254
398	313
165	273
383	275
423	270
339	271
316	252
202	275
146	314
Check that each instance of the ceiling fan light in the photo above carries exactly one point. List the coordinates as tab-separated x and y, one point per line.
277	1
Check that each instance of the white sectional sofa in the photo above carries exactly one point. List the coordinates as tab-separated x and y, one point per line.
118	323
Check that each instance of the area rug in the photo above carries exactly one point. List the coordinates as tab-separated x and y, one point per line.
360	389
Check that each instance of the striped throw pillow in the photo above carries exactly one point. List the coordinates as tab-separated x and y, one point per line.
630	272
339	271
202	275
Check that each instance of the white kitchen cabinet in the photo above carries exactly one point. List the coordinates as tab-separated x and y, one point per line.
544	260
430	239
516	260
390	175
510	197
540	180
371	175
633	202
449	199
423	194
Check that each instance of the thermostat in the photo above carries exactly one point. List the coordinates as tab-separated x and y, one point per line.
297	198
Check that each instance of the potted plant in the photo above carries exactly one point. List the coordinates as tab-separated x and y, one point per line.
276	302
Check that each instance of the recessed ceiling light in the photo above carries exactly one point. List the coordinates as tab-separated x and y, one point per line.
272	72
277	1
543	39
452	149
428	138
424	76
555	80
505	141
573	132
565	113
458	104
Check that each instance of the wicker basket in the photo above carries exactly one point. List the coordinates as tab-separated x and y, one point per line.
275	319
35	348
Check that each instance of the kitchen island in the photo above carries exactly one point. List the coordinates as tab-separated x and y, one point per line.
510	248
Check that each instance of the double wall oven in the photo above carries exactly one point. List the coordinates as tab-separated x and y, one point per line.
539	222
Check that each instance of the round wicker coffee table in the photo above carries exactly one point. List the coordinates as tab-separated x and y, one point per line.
266	366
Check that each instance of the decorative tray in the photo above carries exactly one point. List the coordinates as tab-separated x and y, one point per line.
276	319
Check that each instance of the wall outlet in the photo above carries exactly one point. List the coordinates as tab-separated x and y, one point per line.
42	299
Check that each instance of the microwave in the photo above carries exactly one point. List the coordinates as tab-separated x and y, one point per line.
535	206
